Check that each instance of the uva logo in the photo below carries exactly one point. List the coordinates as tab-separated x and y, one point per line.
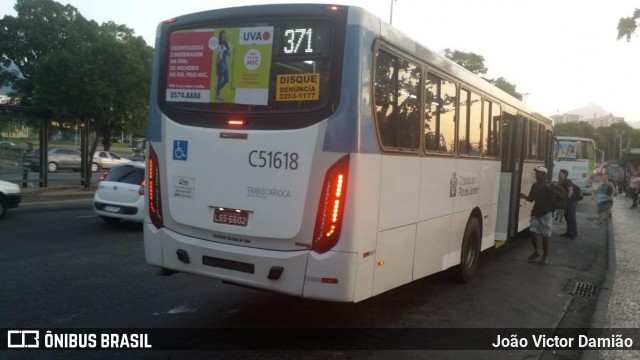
256	36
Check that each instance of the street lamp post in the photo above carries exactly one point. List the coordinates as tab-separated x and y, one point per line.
601	154
391	12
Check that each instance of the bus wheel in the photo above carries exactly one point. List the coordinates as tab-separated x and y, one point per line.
470	254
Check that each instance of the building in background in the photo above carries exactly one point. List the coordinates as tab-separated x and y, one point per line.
591	114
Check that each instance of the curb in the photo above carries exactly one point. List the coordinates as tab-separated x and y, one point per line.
599	319
56	194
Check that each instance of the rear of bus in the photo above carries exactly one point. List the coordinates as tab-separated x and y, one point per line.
246	182
577	156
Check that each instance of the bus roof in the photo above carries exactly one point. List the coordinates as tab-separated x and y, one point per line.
575	138
363	17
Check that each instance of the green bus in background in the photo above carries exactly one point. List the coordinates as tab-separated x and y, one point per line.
578	156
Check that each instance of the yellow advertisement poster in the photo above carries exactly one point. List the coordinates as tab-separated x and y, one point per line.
298	87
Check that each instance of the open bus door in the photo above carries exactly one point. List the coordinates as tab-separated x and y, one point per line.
510	177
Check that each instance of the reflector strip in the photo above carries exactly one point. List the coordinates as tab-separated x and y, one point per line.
323	280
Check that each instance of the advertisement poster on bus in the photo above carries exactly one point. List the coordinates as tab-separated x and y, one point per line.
226	65
568	150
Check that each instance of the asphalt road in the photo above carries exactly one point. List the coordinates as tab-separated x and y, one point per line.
63	267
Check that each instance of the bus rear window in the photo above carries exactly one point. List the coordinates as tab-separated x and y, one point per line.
581	150
264	67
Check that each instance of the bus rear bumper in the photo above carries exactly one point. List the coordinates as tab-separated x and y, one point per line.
328	276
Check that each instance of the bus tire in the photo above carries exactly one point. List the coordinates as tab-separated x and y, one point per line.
470	252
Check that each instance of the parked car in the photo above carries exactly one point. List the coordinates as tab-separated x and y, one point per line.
8	144
10	196
58	158
108	159
120	196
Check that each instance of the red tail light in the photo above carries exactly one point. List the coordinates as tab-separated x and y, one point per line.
155	205
235	123
141	188
103	176
331	206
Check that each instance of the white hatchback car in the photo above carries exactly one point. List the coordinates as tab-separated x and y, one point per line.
120	195
10	196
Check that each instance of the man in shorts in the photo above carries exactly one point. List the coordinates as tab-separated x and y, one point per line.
541	215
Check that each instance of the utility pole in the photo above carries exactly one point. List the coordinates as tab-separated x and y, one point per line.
391	13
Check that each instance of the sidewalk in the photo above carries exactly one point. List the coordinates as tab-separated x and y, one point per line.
619	302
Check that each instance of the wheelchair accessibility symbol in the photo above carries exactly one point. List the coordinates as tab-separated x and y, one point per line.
180	150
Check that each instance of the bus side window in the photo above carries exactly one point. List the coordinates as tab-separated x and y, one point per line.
397	99
431	141
440	110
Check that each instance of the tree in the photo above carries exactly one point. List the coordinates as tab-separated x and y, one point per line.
628	26
41	27
502	84
102	84
82	72
615	139
470	61
475	64
581	129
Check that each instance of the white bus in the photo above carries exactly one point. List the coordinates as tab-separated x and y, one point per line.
316	151
577	155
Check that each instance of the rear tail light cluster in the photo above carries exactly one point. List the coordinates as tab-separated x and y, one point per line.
331	206
103	176
153	180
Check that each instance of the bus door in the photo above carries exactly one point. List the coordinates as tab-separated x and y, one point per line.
557	156
510	177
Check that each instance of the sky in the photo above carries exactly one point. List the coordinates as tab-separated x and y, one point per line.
562	53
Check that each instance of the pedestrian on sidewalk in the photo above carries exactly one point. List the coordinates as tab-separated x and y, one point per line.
619	180
541	214
570	209
604	192
634	187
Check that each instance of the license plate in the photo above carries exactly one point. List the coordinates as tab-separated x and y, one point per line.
231	217
113	209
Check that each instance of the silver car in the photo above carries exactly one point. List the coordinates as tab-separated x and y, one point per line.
108	159
57	159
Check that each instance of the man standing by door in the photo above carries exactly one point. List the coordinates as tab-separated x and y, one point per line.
570	210
541	214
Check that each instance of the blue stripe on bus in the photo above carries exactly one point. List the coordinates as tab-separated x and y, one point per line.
154	126
342	127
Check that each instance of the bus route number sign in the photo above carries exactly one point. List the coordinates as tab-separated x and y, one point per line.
298	87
